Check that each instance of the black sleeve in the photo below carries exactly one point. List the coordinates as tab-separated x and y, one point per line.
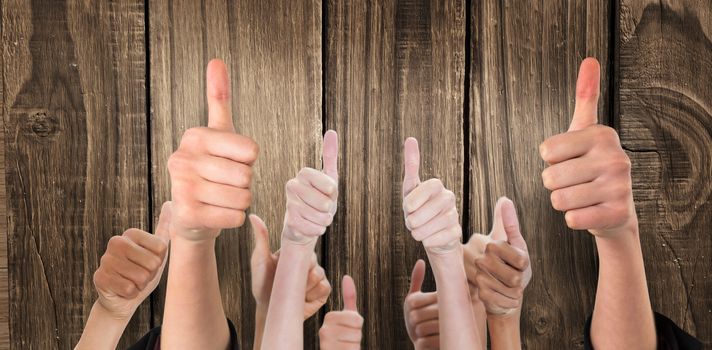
152	340
670	336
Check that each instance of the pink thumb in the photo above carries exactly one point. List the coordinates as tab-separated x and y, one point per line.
510	221
348	289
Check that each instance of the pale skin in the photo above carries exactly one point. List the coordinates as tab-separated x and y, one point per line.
129	271
431	216
311	205
342	330
498	271
211	173
263	266
589	176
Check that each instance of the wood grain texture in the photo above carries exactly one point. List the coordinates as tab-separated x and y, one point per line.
525	58
4	283
273	51
665	64
393	69
76	157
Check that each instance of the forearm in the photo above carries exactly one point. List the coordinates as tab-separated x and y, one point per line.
457	323
285	316
504	331
102	330
193	317
480	316
622	316
260	320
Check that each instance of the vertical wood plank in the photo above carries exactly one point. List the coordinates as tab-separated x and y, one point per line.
664	69
4	292
525	58
76	157
393	69
273	51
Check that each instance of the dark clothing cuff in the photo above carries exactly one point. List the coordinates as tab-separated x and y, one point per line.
152	340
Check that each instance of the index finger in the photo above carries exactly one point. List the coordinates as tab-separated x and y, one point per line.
217	85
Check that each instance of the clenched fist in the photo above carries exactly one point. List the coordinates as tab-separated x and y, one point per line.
589	173
341	330
211	171
263	266
131	267
503	270
420	311
312	197
429	208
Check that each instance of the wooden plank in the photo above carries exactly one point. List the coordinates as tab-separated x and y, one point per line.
76	157
4	283
523	68
394	69
665	61
273	50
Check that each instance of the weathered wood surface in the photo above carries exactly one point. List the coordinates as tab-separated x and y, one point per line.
4	301
393	69
665	102
523	68
273	51
76	151
75	157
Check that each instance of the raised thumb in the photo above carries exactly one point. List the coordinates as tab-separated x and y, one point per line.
348	289
164	222
510	221
261	234
417	276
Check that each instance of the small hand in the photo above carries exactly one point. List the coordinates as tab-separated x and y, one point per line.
420	311
132	266
211	171
503	271
263	266
430	210
343	329
312	197
589	172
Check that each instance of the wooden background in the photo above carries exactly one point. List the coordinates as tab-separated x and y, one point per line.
95	96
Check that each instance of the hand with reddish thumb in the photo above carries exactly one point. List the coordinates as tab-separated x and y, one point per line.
343	329
312	197
420	311
589	172
430	209
211	171
500	273
132	266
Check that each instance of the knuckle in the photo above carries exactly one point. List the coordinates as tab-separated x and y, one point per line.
548	178
572	220
252	149
291	185
177	163
191	137
515	280
558	200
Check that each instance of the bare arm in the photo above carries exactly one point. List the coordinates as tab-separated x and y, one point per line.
431	216
210	186
589	176
504	331
311	205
